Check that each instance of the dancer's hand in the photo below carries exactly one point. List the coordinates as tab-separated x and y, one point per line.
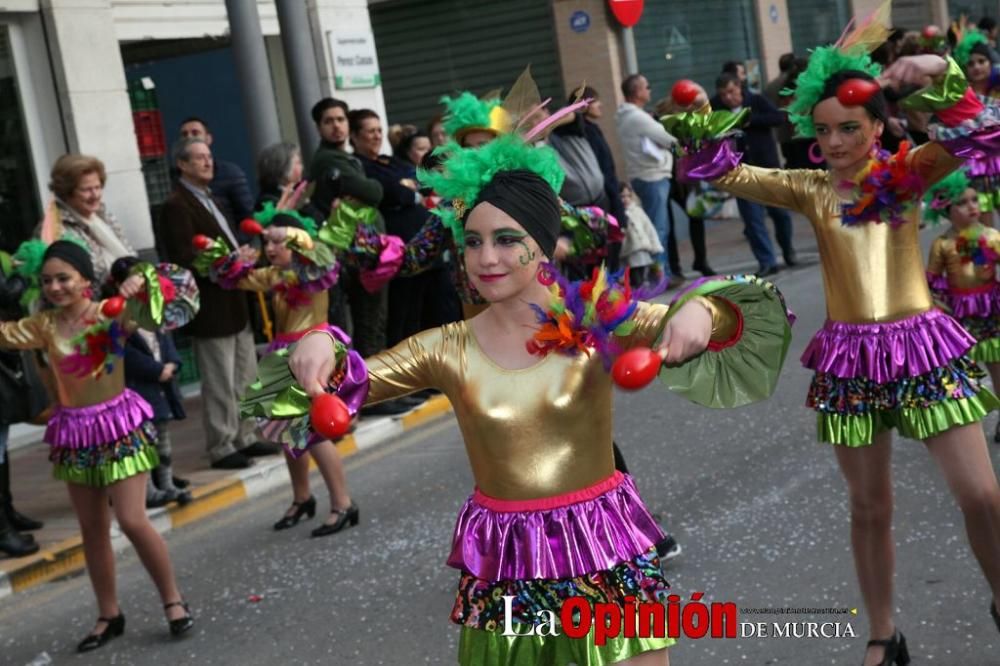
918	70
247	254
132	286
312	362
686	334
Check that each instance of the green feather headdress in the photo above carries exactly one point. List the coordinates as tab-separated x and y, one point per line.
850	52
824	62
465	172
28	261
963	50
943	194
266	216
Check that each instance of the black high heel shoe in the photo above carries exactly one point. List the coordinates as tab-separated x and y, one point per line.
895	650
116	627
181	624
995	614
301	508
349	515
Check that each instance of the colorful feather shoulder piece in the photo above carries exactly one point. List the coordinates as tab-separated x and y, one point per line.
884	191
585	315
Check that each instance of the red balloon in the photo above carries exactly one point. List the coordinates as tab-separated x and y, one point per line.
684	92
330	416
855	92
113	307
201	242
636	368
251	227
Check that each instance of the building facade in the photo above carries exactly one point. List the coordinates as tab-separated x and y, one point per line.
67	66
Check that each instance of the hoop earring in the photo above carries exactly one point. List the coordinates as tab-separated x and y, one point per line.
88	293
815	155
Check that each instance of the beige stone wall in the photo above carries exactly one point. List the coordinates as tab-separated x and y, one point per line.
594	56
773	34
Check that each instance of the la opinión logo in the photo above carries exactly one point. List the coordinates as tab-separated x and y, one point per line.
578	617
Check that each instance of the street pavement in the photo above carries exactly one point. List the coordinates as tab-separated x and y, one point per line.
759	508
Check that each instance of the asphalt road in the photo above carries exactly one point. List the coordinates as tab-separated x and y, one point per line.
758	506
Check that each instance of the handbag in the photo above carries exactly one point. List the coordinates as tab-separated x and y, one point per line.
23	395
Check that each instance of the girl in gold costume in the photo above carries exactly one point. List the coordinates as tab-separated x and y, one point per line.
528	378
886	357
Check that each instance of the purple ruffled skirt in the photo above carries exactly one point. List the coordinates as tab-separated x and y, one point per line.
102	444
557	537
883	352
914	375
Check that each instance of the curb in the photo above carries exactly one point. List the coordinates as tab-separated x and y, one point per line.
66	557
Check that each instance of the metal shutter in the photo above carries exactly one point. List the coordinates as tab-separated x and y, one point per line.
430	48
973	9
692	38
816	22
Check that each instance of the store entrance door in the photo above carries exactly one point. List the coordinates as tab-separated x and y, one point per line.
19	206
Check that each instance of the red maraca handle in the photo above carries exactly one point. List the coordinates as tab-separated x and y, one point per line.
636	368
113	307
251	227
684	92
330	416
201	242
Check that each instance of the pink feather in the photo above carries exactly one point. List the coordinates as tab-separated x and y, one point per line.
561	113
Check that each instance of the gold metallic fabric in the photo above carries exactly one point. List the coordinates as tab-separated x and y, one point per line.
871	272
39	332
945	260
536	432
288	319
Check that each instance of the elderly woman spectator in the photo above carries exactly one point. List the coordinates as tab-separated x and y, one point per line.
79	212
280	168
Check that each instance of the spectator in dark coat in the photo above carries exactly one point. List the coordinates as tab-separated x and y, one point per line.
758	148
229	184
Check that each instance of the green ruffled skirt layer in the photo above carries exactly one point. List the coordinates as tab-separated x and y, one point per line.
477	647
915	423
987	351
108	463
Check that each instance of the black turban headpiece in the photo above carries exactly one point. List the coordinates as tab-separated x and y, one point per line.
74	255
526	197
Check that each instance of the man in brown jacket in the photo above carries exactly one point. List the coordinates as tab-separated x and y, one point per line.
223	343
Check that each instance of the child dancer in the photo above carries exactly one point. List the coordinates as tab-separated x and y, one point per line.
101	439
962	271
298	277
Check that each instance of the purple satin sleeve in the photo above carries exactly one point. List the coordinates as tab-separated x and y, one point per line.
714	160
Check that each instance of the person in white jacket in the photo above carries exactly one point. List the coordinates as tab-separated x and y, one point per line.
648	160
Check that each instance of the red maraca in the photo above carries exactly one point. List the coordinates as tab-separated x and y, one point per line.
931	31
329	416
684	92
855	92
251	227
113	307
201	242
636	368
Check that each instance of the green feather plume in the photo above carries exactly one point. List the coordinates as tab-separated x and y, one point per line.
944	193
467	171
265	216
824	62
963	50
466	111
